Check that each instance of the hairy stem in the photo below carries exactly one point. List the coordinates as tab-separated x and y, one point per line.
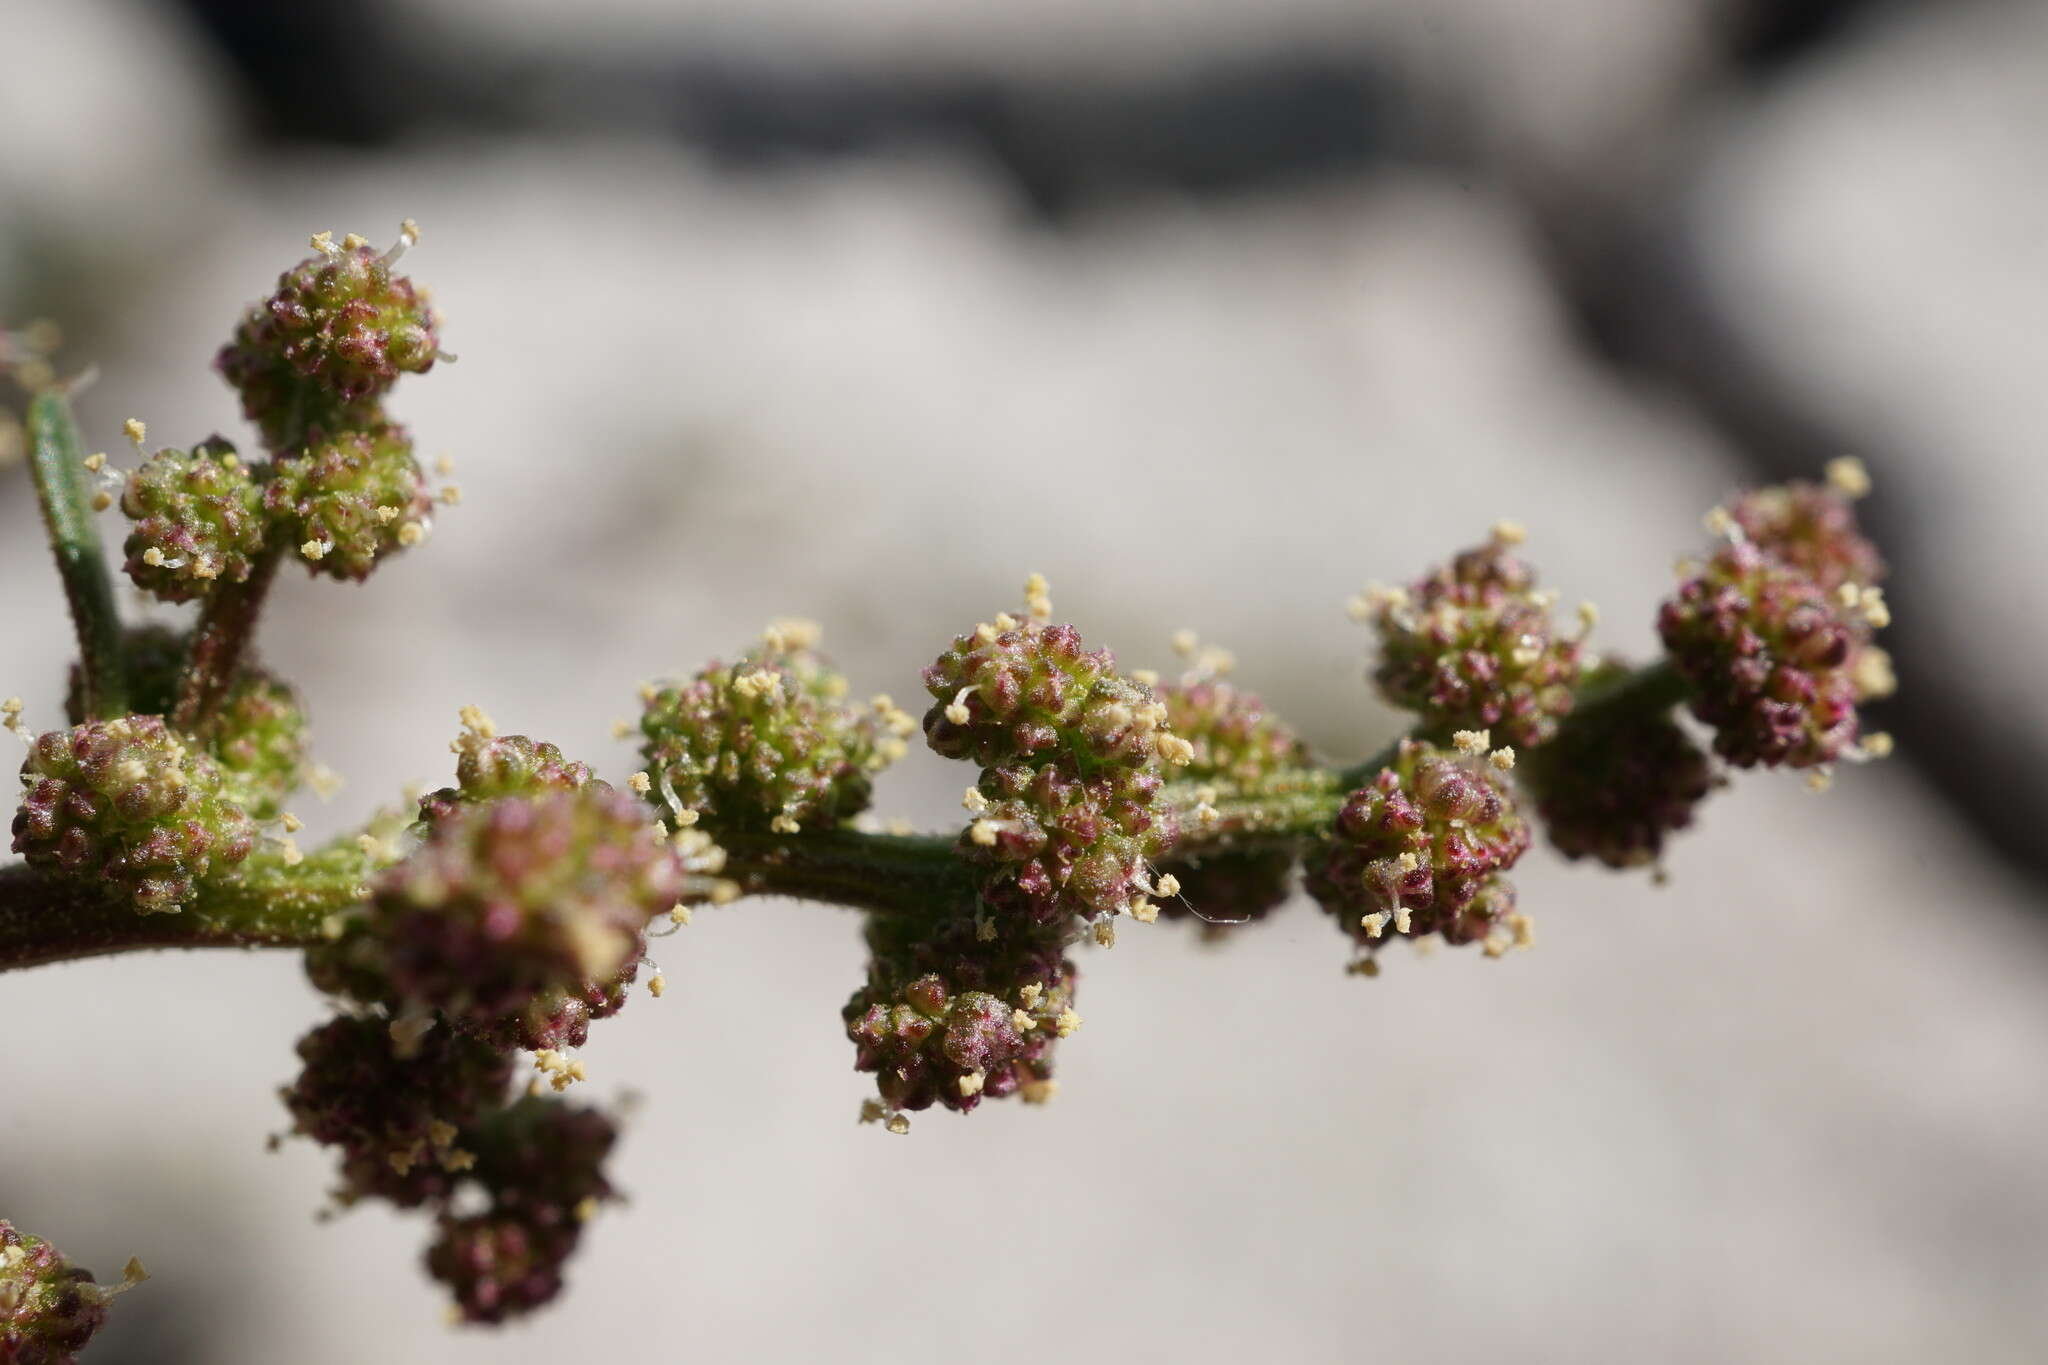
227	624
59	473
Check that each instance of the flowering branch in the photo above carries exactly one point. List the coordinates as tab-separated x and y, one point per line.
508	913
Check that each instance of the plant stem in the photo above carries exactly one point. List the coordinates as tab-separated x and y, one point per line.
47	918
227	624
59	472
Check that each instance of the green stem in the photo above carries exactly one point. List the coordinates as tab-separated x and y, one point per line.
227	623
47	918
59	471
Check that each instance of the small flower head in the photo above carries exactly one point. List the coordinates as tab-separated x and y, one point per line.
49	1308
1024	691
769	742
1420	850
959	1015
1616	780
1057	844
1772	658
1473	646
334	337
129	803
490	767
1812	528
1235	738
258	737
510	902
198	518
498	1266
349	499
394	1113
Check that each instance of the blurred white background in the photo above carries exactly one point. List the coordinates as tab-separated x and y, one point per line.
1790	1107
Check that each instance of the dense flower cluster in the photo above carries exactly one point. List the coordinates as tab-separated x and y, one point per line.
510	901
349	499
542	1166
258	738
1073	756
424	1121
961	1013
198	521
1617	779
768	742
340	328
49	1308
1773	632
1420	850
393	1113
130	803
1472	646
1771	657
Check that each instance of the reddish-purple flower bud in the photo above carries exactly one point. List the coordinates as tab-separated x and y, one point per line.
1812	528
1420	850
395	1114
962	1012
1772	658
1472	646
499	1266
320	351
1616	779
1057	844
509	901
198	521
129	803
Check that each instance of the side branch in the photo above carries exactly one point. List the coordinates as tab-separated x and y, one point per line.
59	472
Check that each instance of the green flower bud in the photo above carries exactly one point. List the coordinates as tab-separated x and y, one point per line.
259	736
768	742
349	499
129	803
198	521
489	767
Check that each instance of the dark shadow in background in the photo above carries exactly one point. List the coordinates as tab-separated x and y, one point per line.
1618	254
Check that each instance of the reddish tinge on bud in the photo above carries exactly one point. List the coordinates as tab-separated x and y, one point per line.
1420	850
510	901
320	351
1472	646
1771	658
128	802
198	521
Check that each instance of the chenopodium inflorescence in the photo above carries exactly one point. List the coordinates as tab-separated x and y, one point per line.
512	910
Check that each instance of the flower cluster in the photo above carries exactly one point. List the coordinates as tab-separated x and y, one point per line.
331	340
130	803
349	499
1073	758
258	738
768	742
1617	778
198	520
489	767
1420	849
510	903
1773	632
49	1308
421	1120
1472	645
961	1013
